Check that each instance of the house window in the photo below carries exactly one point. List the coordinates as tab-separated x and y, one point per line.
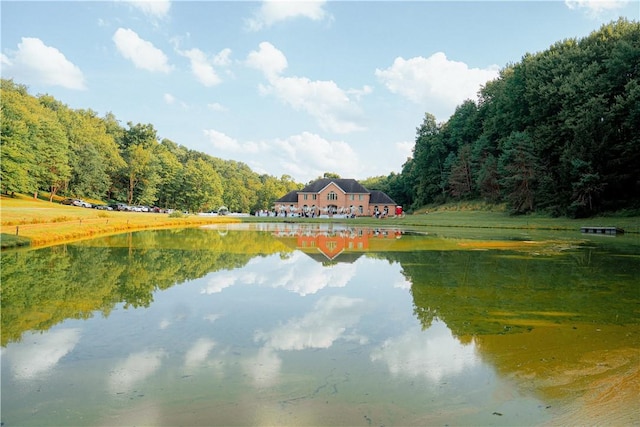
305	196
314	196
332	196
352	197
359	196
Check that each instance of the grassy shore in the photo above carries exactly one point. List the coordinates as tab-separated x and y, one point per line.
31	222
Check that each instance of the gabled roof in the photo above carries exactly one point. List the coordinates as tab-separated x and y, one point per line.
290	197
380	198
346	185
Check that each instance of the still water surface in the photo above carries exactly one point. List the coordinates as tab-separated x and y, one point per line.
276	324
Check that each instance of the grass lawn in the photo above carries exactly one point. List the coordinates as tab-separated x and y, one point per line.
24	220
28	221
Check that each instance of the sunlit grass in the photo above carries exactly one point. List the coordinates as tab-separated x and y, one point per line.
43	223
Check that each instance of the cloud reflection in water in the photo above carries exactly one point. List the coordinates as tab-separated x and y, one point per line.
134	369
433	354
38	354
331	319
298	274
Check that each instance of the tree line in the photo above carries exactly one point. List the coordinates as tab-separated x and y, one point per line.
557	132
49	147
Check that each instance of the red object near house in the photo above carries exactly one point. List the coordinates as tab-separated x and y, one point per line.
398	210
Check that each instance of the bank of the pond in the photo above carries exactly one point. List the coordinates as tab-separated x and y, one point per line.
36	223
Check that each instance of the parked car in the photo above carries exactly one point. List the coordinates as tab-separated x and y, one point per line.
120	207
103	207
76	202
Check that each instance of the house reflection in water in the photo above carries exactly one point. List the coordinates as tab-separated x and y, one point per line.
337	243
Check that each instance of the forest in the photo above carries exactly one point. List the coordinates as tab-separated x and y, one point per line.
49	147
557	132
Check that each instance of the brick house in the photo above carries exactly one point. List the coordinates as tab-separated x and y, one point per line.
333	197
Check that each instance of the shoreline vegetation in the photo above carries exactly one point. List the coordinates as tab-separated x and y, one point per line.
29	222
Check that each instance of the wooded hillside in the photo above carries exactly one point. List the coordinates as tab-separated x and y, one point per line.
47	146
557	132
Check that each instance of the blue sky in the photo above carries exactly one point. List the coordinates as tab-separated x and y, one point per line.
297	88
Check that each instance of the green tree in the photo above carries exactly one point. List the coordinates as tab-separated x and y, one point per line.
17	122
461	182
203	187
93	154
429	154
139	144
170	174
517	166
52	168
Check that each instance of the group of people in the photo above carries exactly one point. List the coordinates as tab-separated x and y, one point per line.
313	213
381	215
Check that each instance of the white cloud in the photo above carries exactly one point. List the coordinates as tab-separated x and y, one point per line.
222	59
222	141
34	62
217	107
142	53
199	352
202	67
330	319
317	276
152	8
169	99
433	354
135	369
309	155
324	100
329	104
37	354
306	155
269	60
436	82
596	8
274	11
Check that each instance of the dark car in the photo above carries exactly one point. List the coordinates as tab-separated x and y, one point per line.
120	207
103	207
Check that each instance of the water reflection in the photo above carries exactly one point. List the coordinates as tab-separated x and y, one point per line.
255	324
132	371
432	354
295	273
41	353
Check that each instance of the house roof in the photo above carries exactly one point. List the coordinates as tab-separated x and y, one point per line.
378	197
346	185
290	197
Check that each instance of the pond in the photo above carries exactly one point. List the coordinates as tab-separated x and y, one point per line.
283	324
